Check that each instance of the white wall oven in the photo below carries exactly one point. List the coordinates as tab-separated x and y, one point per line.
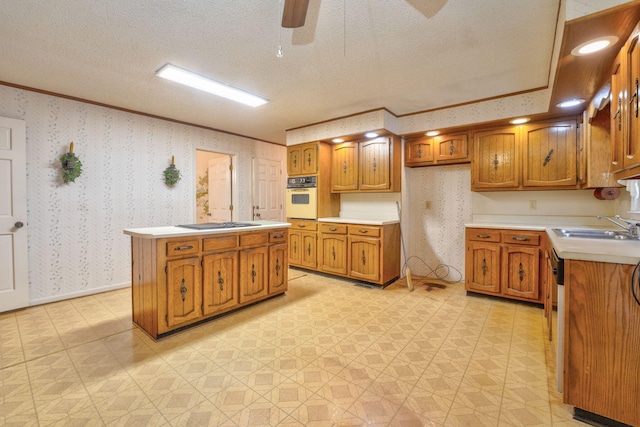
302	197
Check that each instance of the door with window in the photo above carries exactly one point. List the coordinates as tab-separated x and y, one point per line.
14	281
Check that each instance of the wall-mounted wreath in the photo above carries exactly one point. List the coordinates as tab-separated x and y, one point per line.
171	174
71	166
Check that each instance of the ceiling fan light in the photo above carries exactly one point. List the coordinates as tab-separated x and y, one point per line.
196	81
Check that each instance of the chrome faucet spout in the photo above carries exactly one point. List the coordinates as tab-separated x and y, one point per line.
630	226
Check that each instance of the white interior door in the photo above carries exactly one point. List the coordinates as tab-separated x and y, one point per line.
14	283
268	190
220	188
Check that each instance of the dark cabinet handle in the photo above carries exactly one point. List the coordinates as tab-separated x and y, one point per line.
451	149
278	236
363	231
302	226
344	167
484	267
333	252
483	236
419	152
309	160
364	258
253	273
220	281
521	272
183	248
295	161
309	249
295	248
495	162
277	267
520	239
548	158
183	290
18	224
374	164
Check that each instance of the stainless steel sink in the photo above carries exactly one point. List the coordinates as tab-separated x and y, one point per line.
592	234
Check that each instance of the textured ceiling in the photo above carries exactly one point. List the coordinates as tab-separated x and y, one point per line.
351	56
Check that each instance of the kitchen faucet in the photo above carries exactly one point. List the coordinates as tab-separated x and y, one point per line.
630	226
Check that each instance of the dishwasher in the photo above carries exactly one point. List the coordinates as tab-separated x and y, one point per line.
557	265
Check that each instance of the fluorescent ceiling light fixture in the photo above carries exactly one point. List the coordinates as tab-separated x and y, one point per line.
337	140
370	134
594	45
519	121
432	133
191	79
570	103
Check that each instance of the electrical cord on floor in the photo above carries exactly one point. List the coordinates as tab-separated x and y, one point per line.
440	273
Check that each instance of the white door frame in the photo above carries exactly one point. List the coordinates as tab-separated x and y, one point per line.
14	279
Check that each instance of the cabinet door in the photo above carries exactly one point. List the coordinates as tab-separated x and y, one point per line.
220	282
550	155
333	253
364	256
520	268
310	159
482	271
496	162
309	243
374	164
618	111
278	268
294	160
344	167
184	291
254	274
451	148
632	149
295	248
418	152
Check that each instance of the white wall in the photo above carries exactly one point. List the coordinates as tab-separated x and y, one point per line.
76	244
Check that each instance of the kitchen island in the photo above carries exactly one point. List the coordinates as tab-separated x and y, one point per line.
182	276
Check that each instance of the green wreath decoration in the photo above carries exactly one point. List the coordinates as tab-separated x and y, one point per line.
171	175
71	167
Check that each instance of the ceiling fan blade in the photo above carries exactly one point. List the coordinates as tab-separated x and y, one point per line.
294	13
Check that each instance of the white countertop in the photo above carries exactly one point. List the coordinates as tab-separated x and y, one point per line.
359	221
174	231
599	250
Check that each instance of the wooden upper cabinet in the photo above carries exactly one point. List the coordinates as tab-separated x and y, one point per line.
619	111
344	167
418	152
632	147
374	164
550	155
437	150
496	160
302	159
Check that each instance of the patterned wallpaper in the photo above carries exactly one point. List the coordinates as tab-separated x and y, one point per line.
76	243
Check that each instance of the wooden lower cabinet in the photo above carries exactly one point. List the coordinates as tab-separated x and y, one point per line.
303	243
219	282
601	340
179	281
505	263
369	253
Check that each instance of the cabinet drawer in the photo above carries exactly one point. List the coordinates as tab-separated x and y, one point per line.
220	243
184	247
333	228
520	238
363	230
483	235
304	225
253	239
279	236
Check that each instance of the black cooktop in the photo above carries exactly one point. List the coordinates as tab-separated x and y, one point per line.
217	225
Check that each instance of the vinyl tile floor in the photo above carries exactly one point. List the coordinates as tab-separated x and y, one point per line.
329	352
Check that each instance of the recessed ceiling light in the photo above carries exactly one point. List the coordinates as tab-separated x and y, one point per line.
519	121
432	133
594	45
370	134
191	79
570	103
337	140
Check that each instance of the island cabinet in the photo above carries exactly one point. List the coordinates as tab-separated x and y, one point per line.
437	150
535	156
505	263
366	166
180	281
601	340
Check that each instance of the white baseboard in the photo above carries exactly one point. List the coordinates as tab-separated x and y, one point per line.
82	293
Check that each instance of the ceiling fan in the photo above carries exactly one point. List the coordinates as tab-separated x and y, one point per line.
294	13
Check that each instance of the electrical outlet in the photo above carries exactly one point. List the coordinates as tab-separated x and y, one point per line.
427	204
533	205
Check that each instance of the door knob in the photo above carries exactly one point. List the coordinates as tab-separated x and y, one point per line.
18	224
